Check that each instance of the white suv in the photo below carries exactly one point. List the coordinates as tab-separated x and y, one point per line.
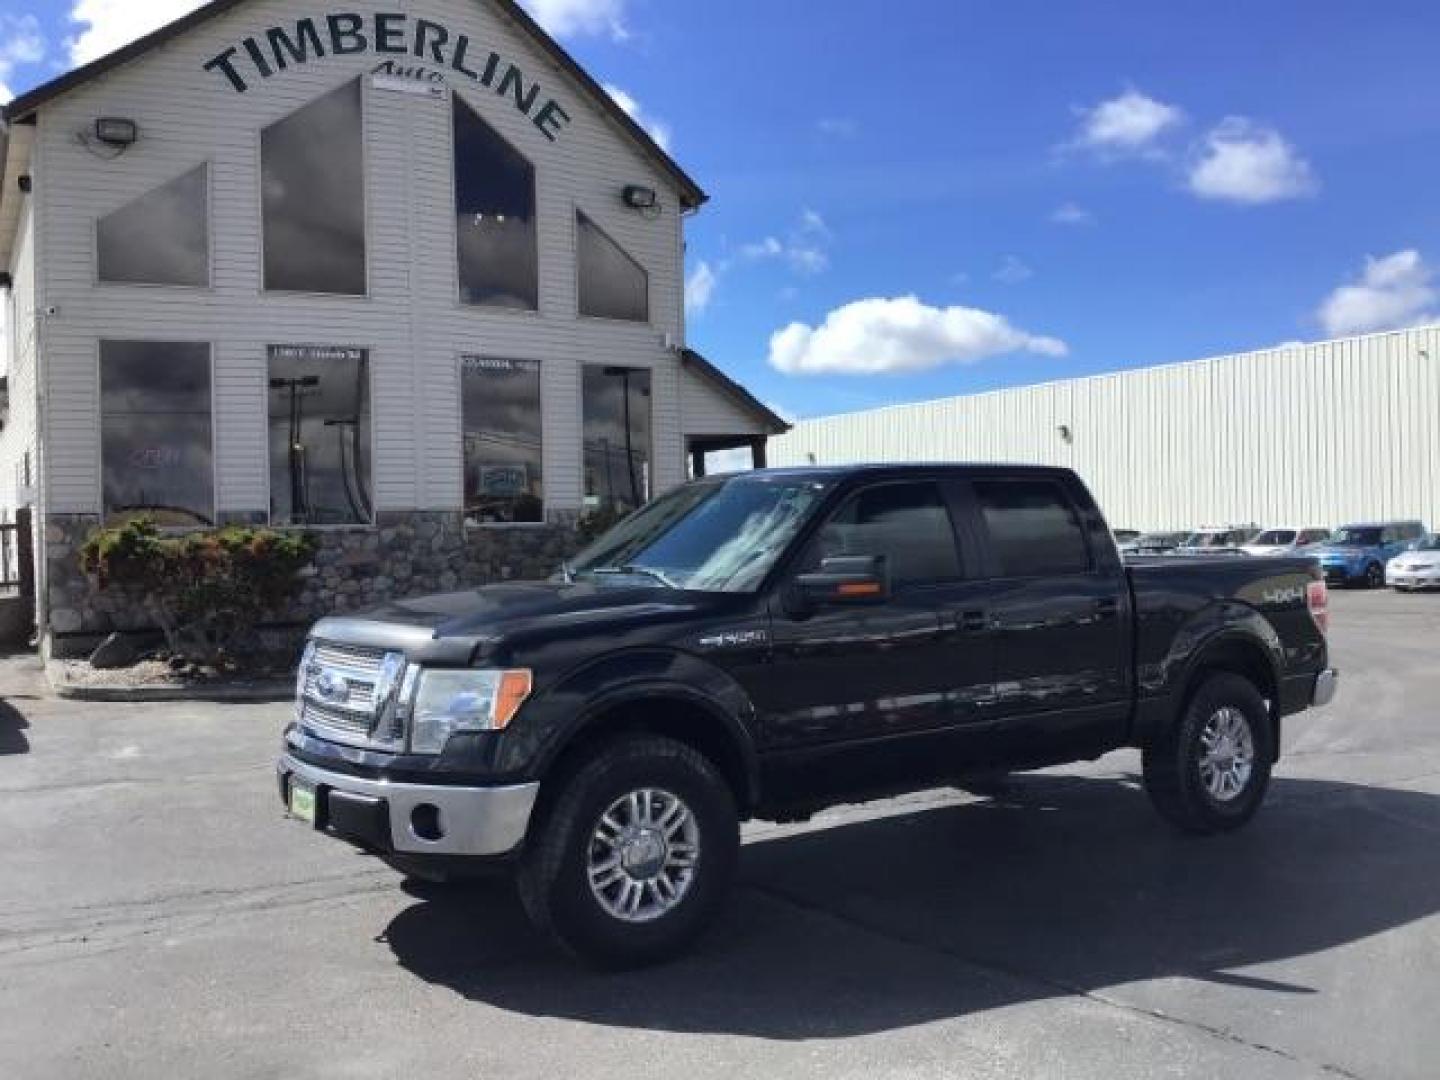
1285	539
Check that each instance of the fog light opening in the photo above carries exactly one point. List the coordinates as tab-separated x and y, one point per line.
425	823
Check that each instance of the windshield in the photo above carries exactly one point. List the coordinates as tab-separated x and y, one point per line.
1353	537
1275	538
1213	539
711	536
1430	542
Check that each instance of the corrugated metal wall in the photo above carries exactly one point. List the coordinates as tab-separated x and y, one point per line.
1318	434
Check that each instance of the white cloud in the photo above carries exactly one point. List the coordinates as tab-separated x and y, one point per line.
838	127
578	18
1072	214
887	336
107	25
1013	271
1393	292
805	248
658	129
1242	162
1129	124
700	287
21	42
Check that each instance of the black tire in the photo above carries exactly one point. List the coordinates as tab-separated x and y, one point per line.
1173	762
1374	576
554	884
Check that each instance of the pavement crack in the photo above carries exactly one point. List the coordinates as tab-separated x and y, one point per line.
1049	983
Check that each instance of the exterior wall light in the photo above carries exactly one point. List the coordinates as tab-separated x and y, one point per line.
25	183
116	131
640	198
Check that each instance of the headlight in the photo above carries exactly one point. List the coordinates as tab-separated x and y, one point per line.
450	702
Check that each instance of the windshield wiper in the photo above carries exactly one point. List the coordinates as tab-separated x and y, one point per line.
632	570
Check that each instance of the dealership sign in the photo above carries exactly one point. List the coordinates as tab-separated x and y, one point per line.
386	34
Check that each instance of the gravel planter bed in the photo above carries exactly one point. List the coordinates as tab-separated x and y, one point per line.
156	680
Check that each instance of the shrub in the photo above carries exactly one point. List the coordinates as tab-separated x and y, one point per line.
596	524
207	591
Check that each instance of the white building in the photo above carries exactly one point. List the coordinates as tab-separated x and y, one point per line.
1321	434
409	277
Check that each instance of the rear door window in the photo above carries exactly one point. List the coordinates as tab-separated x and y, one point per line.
908	524
1034	528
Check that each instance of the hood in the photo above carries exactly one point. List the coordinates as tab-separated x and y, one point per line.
453	627
1418	558
1337	551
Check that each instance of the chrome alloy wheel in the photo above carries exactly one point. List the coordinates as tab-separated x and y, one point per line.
643	855
1227	757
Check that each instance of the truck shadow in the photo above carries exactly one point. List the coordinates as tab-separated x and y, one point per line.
12	731
1067	885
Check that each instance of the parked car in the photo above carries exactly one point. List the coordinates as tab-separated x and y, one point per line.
1125	540
1218	540
768	644
1159	543
1285	540
1418	567
1357	554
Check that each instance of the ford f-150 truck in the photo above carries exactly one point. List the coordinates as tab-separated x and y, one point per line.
768	644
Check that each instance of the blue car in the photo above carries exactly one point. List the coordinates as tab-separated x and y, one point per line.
1357	554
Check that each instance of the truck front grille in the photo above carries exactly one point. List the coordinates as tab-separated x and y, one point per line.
343	691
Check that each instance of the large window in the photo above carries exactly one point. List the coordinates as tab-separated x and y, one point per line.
1033	528
312	167
319	435
495	215
155	432
162	238
612	284
908	524
504	470
617	438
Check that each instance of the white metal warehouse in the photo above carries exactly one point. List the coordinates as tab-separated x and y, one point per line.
406	277
1322	434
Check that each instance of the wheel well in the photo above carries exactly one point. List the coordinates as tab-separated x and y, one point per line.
674	718
1247	660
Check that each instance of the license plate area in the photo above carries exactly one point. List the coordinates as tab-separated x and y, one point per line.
302	801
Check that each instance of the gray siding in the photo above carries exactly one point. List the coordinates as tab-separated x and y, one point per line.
19	435
1317	434
412	321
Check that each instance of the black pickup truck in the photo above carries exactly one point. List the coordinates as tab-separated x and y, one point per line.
769	644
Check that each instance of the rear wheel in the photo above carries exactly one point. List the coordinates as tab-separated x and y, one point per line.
632	860
1210	772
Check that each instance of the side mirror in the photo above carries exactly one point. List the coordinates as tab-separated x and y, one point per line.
846	579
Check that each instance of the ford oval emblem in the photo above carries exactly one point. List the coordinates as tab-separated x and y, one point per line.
332	687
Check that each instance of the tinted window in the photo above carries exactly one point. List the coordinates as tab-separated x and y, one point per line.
155	431
319	435
612	284
1276	537
313	195
495	216
504	465
617	438
906	523
1034	529
162	238
1356	537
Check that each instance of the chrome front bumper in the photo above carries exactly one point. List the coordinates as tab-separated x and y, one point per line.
470	820
1327	684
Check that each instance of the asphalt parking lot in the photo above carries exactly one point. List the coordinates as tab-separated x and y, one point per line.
159	917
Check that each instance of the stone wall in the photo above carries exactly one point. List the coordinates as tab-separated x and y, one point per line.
404	554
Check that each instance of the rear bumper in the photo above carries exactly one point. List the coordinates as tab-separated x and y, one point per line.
1327	685
385	816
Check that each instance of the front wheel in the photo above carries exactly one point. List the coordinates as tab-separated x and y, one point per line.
632	860
1374	576
1209	774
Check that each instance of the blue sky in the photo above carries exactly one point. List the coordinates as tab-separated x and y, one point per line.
931	197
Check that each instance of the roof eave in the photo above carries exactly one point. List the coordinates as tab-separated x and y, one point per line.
692	196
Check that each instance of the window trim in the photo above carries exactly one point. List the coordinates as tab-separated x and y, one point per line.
994	565
208	164
367	203
454	217
353	526
215	500
607	320
544	442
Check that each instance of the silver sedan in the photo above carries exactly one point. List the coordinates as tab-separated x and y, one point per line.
1418	567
